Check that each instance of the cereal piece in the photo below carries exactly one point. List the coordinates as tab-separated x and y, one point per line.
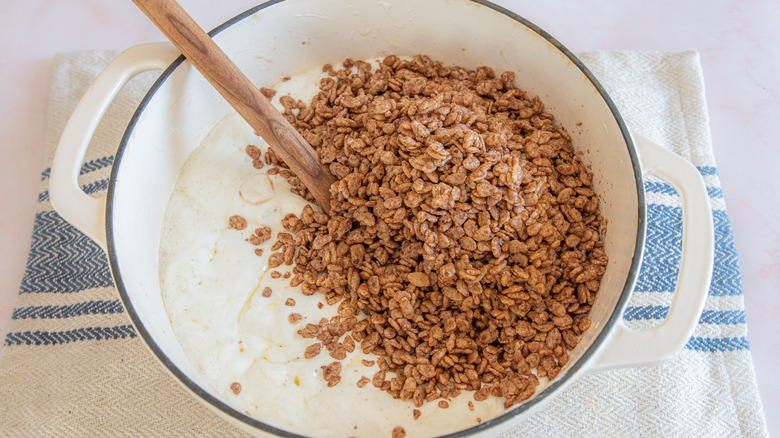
363	382
294	317
235	387
398	432
269	93
349	344
443	404
378	379
259	251
338	353
266	292
416	413
263	233
289	255
312	350
253	151
309	331
419	279
331	373
275	260
289	302
254	239
296	281
237	222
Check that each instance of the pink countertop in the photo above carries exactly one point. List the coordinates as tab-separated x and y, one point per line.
737	41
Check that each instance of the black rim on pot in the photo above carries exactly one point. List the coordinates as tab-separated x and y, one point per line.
554	387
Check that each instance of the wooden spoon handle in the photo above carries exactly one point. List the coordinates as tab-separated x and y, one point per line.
242	94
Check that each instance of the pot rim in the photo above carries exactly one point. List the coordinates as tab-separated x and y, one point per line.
539	399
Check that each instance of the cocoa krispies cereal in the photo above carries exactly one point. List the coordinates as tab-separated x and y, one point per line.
463	247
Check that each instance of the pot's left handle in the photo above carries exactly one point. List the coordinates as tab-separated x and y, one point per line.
83	211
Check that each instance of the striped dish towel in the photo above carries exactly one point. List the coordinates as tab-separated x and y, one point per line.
72	364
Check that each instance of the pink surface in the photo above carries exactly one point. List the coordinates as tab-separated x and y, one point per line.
737	41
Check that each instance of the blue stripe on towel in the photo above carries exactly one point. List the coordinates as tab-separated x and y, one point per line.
38	337
87	167
708	170
90	188
633	313
719	317
97	164
661	261
663	188
723	317
726	277
714	192
663	244
660	187
98	307
711	345
62	259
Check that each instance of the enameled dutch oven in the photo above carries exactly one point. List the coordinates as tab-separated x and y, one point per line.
282	38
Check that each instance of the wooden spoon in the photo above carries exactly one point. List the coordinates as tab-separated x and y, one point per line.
242	94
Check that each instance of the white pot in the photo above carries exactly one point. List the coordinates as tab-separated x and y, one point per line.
278	39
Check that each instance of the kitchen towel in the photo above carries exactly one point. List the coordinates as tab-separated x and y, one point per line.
72	364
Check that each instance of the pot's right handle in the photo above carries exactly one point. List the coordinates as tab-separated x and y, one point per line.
83	211
626	347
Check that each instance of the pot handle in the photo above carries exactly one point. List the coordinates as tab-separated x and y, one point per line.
85	212
626	347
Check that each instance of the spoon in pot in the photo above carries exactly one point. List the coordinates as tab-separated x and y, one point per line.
241	93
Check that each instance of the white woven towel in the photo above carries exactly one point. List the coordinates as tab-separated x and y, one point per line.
73	366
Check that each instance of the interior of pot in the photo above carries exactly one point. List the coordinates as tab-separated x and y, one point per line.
288	37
